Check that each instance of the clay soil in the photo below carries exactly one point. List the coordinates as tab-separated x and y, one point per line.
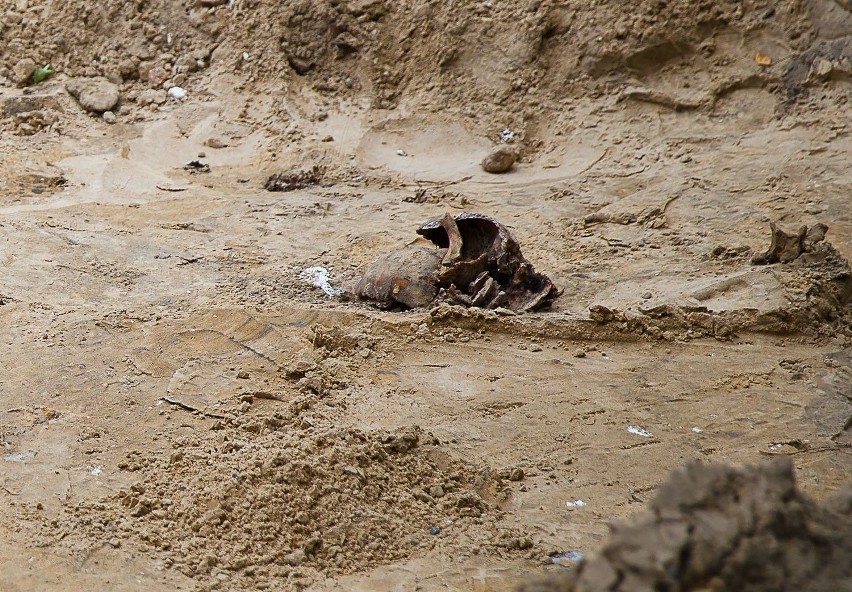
181	407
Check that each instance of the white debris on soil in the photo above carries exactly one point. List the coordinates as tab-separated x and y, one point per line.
96	470
568	558
19	456
636	430
507	136
319	277
575	504
178	93
697	430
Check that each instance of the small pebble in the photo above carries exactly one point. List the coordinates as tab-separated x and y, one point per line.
580	353
109	117
499	160
434	531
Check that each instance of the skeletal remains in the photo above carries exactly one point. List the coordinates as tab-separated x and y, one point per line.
477	263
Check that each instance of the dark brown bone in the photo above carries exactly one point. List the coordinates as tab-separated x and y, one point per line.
478	263
787	247
488	247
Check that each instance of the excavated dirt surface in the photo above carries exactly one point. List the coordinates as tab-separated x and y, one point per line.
189	399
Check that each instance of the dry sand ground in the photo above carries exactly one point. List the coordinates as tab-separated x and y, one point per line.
328	437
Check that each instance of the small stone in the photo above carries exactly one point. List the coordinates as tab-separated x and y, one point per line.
434	531
109	117
535	347
216	143
516	474
820	69
500	159
94	94
156	76
186	63
647	295
128	69
295	558
436	491
113	74
151	96
580	353
600	314
22	72
242	374
300	66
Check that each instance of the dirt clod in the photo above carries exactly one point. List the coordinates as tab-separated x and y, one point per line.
94	94
294	180
732	529
196	166
22	71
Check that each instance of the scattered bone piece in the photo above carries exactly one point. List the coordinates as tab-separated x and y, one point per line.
787	247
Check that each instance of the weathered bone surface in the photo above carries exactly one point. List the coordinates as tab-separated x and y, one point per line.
407	277
787	247
478	263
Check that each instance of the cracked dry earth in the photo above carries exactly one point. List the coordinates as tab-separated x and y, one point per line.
180	408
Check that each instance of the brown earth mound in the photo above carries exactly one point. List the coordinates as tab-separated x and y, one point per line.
284	501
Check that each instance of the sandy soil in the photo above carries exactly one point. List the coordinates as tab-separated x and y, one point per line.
181	408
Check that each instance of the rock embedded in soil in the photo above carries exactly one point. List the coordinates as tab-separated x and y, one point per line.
214	142
500	159
300	66
22	72
95	95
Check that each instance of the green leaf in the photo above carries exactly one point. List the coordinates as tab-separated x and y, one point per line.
42	74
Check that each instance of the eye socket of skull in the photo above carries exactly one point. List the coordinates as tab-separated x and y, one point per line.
478	236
